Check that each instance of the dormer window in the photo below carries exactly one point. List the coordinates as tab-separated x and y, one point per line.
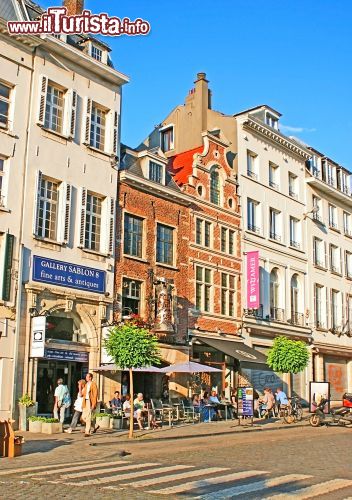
167	139
155	172
96	53
272	121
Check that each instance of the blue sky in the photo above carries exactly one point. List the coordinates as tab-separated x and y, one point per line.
295	56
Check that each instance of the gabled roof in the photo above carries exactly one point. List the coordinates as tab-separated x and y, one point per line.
180	166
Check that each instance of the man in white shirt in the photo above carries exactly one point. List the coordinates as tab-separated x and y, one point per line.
62	400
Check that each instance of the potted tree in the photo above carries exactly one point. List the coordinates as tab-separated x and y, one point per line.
131	345
103	420
27	408
35	423
51	426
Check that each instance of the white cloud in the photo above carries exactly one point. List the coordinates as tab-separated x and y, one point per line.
288	128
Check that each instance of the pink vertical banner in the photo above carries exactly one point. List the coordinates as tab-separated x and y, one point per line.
253	280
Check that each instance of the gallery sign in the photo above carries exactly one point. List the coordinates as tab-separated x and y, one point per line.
253	280
69	275
66	355
38	336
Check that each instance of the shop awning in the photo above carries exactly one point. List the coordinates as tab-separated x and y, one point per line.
114	368
237	350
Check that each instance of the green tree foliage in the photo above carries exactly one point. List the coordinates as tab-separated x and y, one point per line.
288	356
131	345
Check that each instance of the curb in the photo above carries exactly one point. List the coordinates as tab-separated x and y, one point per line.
145	437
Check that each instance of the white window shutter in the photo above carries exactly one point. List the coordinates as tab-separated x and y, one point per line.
114	133
71	106
108	227
38	182
43	82
83	209
65	212
87	120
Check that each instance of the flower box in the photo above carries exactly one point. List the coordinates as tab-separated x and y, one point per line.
35	426
52	428
116	423
103	420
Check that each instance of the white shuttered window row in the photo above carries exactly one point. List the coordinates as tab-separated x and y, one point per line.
57	111
52	216
57	108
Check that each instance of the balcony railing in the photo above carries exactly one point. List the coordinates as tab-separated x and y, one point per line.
332	224
273	185
317	217
254	229
297	319
277	314
292	193
252	174
316	172
275	236
295	244
255	313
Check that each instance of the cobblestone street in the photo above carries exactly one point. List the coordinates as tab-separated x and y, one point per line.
280	462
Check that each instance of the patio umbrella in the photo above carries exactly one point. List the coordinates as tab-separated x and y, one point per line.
144	369
190	367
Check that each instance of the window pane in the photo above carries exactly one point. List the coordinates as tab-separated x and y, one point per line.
231	242
133	235
93	222
215	187
47	222
223	239
155	172
199	224
207	234
54	109
207	275
164	249
97	129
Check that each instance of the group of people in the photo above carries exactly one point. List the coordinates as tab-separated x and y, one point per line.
268	401
84	405
211	407
140	409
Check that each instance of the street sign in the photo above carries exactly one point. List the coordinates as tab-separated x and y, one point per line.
245	401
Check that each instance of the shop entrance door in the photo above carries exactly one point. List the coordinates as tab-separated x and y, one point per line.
48	373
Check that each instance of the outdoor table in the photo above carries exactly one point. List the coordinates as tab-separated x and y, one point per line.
208	406
177	406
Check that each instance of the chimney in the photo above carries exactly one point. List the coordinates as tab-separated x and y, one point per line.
74	7
202	99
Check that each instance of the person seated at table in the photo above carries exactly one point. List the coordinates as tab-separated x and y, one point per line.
126	407
207	408
213	399
228	406
115	403
267	402
281	397
196	403
139	407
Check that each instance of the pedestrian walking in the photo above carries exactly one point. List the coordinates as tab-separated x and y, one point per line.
89	404
62	400
77	407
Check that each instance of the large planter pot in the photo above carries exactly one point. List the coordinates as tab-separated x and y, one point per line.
52	428
116	423
24	413
35	426
103	422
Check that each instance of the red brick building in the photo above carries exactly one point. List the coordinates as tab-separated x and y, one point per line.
206	175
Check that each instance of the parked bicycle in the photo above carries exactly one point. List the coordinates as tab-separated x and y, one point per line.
292	412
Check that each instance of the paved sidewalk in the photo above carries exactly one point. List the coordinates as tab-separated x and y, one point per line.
39	443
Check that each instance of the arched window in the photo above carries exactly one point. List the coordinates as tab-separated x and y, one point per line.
296	317
275	312
215	186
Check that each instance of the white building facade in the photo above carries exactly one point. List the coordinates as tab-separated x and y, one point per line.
271	176
64	126
329	231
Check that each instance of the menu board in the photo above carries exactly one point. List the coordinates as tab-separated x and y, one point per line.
245	399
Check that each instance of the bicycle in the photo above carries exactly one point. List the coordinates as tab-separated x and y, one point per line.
293	411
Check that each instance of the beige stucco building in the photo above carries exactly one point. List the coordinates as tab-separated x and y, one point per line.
329	233
60	142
